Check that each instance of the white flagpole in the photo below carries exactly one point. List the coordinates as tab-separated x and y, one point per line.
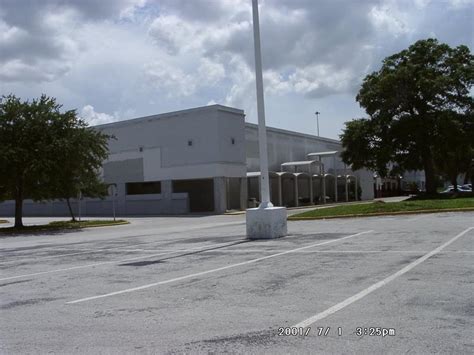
262	134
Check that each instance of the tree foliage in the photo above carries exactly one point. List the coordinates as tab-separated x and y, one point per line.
46	153
80	158
417	103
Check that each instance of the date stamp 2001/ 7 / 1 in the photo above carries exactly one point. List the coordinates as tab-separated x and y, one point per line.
301	331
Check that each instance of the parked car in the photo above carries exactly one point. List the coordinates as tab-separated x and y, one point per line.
450	189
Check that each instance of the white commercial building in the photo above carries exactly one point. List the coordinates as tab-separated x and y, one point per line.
206	160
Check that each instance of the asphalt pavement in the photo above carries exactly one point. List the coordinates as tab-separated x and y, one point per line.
399	284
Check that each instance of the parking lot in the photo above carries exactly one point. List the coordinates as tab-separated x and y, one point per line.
196	285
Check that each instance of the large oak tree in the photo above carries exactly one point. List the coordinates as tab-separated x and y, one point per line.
417	103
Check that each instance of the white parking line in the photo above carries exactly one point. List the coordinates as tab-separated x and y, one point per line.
212	270
82	252
172	231
107	262
385	281
337	251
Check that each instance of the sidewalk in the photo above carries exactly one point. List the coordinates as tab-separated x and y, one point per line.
293	210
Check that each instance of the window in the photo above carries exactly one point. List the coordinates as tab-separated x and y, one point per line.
190	143
144	188
232	140
140	149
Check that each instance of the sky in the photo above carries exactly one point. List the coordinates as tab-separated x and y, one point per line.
114	60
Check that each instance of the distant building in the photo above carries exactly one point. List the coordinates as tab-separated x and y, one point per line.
205	159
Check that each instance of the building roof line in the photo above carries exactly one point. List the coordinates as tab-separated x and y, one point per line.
293	133
171	114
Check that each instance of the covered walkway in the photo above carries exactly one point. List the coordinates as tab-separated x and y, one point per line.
306	183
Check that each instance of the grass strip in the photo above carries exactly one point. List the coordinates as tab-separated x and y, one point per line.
380	208
63	225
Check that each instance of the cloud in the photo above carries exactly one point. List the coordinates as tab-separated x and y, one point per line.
301	54
39	40
171	80
95	118
141	57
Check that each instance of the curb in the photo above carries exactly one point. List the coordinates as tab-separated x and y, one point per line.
466	209
67	228
106	225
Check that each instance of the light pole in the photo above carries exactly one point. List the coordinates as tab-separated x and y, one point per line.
262	133
317	121
266	221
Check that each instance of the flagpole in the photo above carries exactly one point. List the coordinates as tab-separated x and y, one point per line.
262	134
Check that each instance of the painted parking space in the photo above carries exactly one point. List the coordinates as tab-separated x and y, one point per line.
209	290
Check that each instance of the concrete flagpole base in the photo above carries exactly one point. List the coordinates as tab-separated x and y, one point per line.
266	223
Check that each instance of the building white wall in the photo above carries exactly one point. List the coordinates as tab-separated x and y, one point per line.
161	143
224	148
285	146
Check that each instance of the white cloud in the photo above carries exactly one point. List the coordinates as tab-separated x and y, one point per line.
43	53
95	118
18	70
140	57
461	3
387	17
210	72
171	80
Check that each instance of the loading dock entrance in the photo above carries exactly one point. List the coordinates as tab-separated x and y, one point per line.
200	193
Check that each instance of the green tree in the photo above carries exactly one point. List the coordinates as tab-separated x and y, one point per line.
455	150
37	141
82	152
408	101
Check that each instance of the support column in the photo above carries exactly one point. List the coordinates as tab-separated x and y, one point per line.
220	198
296	191
227	193
280	193
324	184
243	193
259	195
311	199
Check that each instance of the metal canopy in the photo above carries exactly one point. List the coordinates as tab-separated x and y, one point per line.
253	174
258	173
300	163
322	154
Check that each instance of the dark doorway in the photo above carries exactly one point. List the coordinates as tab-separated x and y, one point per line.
200	192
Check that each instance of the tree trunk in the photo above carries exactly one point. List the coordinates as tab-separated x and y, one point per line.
430	176
454	182
19	207
70	209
